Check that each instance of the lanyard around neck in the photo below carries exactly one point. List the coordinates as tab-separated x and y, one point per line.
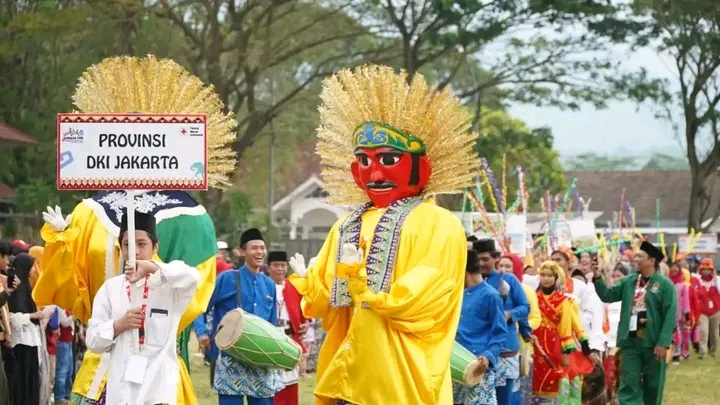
143	308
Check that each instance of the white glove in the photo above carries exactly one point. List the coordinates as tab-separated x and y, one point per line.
350	254
297	263
54	218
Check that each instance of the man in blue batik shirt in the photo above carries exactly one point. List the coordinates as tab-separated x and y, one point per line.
482	330
516	308
234	381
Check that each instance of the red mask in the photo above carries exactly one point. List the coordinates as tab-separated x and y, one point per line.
386	174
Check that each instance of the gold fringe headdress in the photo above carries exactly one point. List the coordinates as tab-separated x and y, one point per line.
419	116
161	86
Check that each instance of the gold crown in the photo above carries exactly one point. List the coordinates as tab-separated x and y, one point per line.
372	106
161	86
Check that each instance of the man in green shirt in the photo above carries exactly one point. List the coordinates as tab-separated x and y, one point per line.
647	320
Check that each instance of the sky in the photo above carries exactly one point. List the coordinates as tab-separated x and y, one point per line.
621	128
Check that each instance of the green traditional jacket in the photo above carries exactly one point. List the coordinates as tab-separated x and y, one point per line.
660	303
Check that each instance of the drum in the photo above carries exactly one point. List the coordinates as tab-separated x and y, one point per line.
464	367
256	342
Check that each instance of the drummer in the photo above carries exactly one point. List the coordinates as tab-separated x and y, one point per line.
290	320
482	330
517	309
234	381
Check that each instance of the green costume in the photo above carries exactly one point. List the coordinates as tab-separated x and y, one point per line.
642	377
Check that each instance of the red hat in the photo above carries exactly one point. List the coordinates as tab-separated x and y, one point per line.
20	244
706	264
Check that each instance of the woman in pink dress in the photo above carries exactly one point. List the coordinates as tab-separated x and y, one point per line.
683	320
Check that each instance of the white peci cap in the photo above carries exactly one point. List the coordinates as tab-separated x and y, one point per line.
222	245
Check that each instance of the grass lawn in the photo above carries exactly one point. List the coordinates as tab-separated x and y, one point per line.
694	382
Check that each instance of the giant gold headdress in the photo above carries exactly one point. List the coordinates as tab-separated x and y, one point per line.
373	107
150	85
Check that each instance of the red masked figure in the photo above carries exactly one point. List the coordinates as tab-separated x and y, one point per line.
389	165
388	281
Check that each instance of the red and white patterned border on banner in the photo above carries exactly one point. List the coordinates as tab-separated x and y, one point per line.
135	183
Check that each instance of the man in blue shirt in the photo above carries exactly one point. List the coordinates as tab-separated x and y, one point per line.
234	381
482	330
516	308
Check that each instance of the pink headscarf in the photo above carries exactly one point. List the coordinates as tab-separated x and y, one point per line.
518	265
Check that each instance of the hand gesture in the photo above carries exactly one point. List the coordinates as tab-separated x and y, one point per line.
10	287
351	255
54	218
131	320
142	268
358	285
204	343
484	364
351	261
297	264
660	353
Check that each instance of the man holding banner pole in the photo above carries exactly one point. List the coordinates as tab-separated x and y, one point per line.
180	142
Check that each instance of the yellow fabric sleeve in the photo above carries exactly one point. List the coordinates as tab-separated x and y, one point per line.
73	263
534	317
313	287
566	325
419	299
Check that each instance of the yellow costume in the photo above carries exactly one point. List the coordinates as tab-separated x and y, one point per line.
78	259
534	317
401	304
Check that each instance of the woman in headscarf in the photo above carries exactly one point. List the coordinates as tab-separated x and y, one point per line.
511	263
5	292
556	339
48	325
22	364
683	321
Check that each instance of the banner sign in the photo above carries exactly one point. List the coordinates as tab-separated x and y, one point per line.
132	152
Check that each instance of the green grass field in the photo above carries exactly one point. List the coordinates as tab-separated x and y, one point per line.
694	382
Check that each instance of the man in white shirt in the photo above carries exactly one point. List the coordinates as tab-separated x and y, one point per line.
135	318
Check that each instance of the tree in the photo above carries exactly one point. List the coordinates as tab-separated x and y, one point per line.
689	32
503	135
550	69
594	161
260	55
44	48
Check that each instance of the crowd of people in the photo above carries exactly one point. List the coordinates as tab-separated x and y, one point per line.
557	308
40	346
414	310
